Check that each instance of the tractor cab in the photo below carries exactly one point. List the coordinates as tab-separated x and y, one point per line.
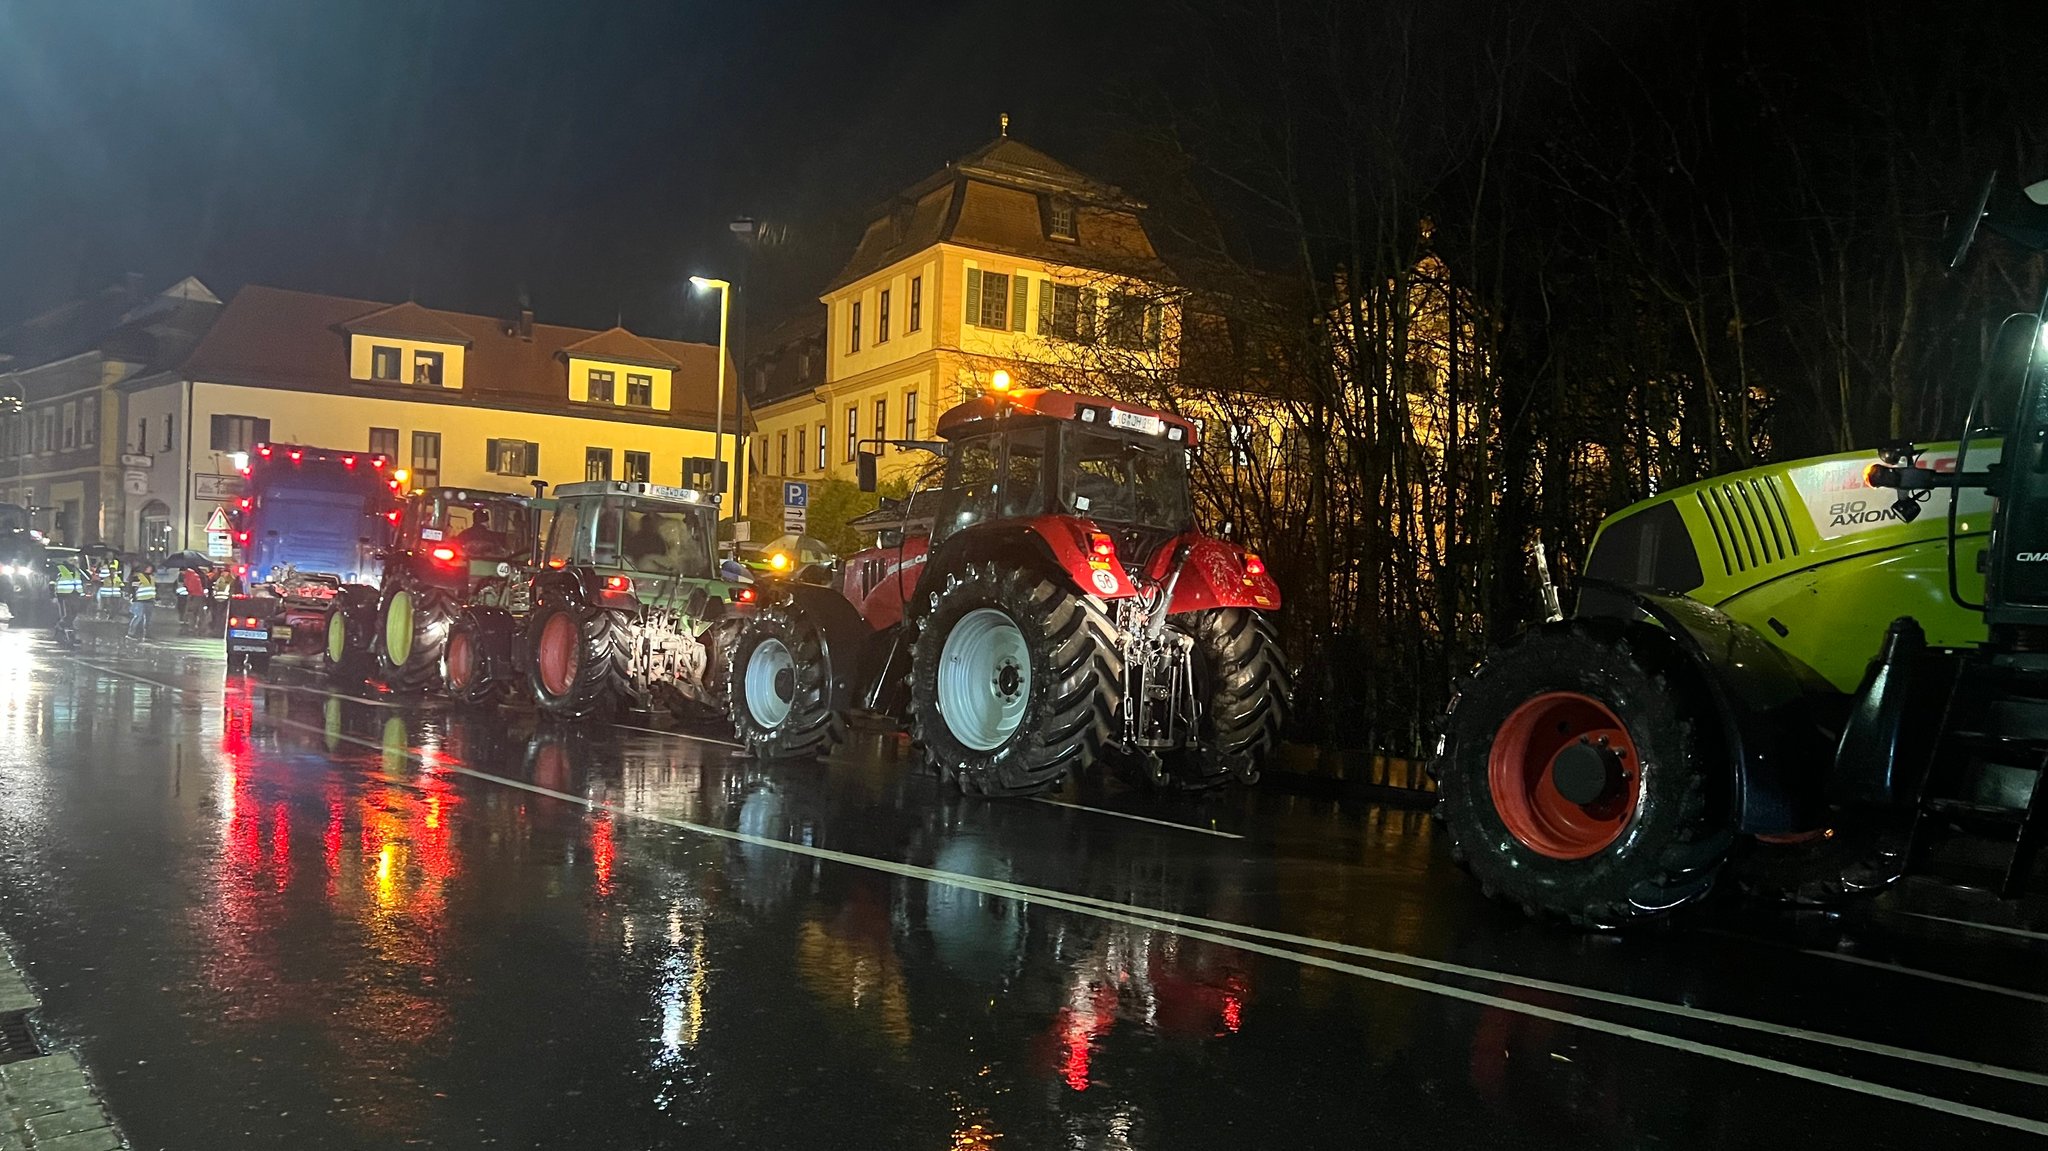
643	531
465	532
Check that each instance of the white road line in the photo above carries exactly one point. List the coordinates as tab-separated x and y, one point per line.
1139	818
1936	976
684	735
1245	940
1975	925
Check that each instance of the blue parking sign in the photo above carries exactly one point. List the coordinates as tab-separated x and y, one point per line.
796	494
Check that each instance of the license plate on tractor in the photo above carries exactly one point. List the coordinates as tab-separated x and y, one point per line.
1136	422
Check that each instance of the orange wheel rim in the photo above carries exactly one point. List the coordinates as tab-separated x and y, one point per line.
558	654
1565	775
461	660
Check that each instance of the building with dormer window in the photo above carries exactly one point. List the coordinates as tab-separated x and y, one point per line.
453	398
1004	260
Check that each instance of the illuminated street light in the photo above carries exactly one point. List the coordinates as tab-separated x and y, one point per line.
718	415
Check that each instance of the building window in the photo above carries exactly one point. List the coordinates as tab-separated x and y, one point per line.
637	468
698	470
1133	322
426	459
910	414
853	344
1059	218
512	457
1066	312
49	429
822	457
916	318
852	430
89	424
988	298
170	431
384	363
142	434
800	451
426	369
1241	443
601	387
597	463
70	426
238	433
384	442
639	391
882	418
882	317
782	454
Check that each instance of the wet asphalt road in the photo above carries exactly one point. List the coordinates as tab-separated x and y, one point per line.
274	917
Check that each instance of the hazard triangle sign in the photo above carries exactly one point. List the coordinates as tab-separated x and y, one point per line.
218	521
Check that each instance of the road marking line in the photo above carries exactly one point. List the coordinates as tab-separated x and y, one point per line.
684	735
1139	818
1156	919
1936	976
1971	923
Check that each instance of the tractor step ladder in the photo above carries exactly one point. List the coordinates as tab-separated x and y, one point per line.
1976	697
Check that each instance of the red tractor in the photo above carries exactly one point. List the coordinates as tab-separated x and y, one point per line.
1050	603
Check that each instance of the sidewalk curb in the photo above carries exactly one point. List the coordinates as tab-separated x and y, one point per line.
47	1102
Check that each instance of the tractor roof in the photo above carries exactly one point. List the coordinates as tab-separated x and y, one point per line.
638	490
989	407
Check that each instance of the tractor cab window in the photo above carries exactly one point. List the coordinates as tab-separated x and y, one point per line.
484	529
1124	479
563	535
975	464
1023	485
659	539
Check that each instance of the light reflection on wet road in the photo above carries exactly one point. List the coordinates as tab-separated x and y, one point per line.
272	916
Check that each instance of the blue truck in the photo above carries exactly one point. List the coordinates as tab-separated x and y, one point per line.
309	535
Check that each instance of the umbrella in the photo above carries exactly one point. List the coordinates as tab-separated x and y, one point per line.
185	560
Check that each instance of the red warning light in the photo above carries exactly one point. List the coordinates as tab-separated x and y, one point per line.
447	555
743	595
348	461
616	583
1253	565
297	455
1101	546
263	450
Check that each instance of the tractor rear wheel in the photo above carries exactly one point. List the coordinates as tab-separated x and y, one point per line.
579	660
1243	685
1574	779
778	687
1015	680
415	627
463	669
346	658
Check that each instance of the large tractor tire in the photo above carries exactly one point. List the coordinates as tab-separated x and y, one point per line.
1015	680
1244	686
347	657
414	624
1577	779
778	687
579	653
465	669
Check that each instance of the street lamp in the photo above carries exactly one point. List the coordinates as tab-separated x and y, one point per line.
718	416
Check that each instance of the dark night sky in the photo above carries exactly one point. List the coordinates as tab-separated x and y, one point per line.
461	151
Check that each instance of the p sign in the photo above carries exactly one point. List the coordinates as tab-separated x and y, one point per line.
796	494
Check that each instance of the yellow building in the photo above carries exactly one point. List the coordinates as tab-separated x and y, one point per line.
457	399
1005	259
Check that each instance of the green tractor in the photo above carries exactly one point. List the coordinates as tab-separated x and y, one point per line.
1836	667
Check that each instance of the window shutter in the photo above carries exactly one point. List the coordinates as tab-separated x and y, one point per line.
491	456
262	431
1045	291
1020	298
533	459
1087	324
219	432
973	298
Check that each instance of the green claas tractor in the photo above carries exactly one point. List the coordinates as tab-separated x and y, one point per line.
625	611
1837	665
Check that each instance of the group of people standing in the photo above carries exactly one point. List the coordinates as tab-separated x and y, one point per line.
202	595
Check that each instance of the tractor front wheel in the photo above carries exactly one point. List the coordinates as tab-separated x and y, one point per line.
415	626
1015	680
1574	779
579	661
464	671
778	687
1243	686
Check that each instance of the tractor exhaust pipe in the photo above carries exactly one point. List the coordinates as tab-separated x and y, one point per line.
1552	611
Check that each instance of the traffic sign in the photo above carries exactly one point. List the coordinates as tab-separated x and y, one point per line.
796	494
218	521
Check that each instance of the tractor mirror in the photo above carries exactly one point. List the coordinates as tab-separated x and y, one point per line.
864	469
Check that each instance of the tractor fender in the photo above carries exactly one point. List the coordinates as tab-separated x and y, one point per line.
1215	575
1058	544
1761	699
845	637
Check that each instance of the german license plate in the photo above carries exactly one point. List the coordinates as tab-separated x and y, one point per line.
243	633
1136	422
281	632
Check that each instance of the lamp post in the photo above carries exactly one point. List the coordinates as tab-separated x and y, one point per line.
724	291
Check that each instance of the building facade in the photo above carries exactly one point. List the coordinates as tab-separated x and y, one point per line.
1004	260
452	398
63	454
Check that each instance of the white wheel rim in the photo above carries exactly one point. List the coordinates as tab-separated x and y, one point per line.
984	679
770	683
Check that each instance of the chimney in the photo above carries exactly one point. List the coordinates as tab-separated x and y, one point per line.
522	325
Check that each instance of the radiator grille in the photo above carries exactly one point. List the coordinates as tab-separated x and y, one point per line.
1750	523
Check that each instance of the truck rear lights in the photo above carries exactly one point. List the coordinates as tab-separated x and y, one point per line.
348	461
616	583
444	554
392	515
263	450
297	455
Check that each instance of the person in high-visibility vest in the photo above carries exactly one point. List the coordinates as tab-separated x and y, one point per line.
68	586
141	598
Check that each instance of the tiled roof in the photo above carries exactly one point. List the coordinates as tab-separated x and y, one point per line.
407	319
270	337
621	345
991	199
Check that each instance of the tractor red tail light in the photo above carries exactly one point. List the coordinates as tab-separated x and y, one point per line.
377	462
617	583
392	515
743	595
241	537
297	455
1253	565
1100	546
444	554
263	450
348	461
